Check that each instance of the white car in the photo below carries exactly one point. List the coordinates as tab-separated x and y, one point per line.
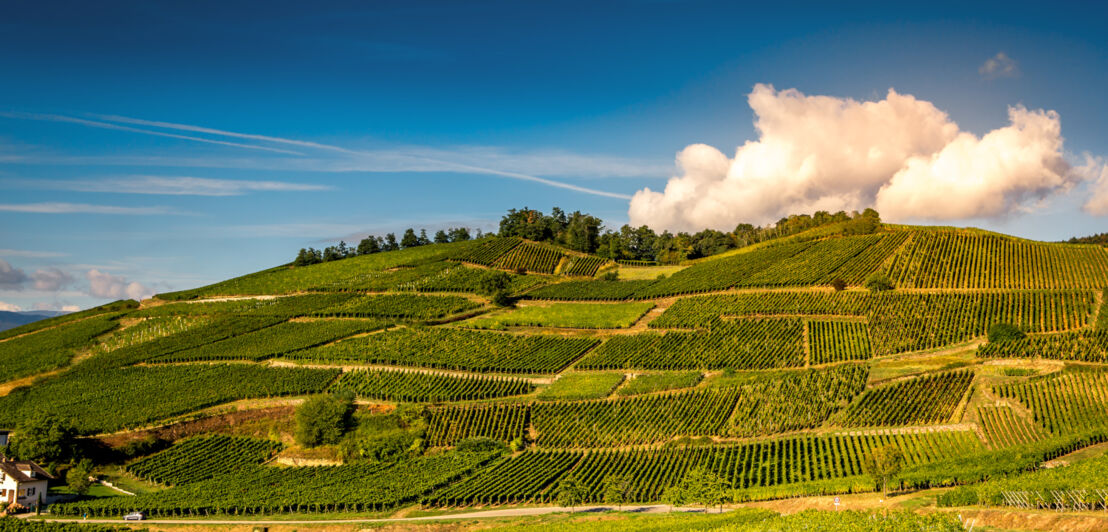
136	516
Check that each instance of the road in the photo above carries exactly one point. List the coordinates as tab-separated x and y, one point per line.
485	514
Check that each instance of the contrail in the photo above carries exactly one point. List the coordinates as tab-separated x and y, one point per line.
460	167
117	127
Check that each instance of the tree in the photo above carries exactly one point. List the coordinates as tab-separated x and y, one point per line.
838	284
459	234
307	257
675	496
570	493
423	240
441	237
409	240
617	489
45	439
883	464
582	232
369	244
878	282
1003	332
77	478
390	242
704	486
323	419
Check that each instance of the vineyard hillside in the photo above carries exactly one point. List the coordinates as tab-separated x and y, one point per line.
503	371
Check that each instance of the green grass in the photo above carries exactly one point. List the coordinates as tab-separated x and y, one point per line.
656	382
572	315
646	273
582	385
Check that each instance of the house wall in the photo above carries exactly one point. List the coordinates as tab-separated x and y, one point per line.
26	493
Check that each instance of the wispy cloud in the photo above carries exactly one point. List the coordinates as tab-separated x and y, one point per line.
83	208
999	66
418	159
117	127
29	254
175	186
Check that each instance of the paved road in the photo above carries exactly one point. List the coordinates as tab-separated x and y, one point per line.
507	512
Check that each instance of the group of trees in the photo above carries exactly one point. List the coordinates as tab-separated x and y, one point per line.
376	244
584	232
52	442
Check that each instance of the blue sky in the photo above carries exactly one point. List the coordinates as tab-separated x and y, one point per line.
149	146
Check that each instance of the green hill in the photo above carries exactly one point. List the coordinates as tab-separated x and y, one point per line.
747	364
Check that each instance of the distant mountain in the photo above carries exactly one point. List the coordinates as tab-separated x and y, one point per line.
10	320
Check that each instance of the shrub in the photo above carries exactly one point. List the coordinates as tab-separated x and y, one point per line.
878	282
963	496
322	420
610	276
1004	332
838	284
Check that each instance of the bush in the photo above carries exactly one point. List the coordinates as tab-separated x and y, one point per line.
610	276
502	299
492	282
878	282
838	284
322	420
1003	332
963	496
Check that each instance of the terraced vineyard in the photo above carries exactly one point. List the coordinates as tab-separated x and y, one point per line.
455	349
35	353
355	488
275	340
1004	428
950	259
742	344
899	322
203	457
530	257
929	399
533	476
449	425
836	341
637	420
105	400
1079	346
396	385
1066	403
475	383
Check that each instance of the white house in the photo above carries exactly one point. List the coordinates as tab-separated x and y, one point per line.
4	433
22	482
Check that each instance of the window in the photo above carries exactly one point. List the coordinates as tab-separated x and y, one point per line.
21	493
30	491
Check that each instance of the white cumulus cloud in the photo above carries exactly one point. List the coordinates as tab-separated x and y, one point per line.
8	307
899	154
103	284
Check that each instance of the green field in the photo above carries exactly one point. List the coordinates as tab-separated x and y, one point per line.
568	315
